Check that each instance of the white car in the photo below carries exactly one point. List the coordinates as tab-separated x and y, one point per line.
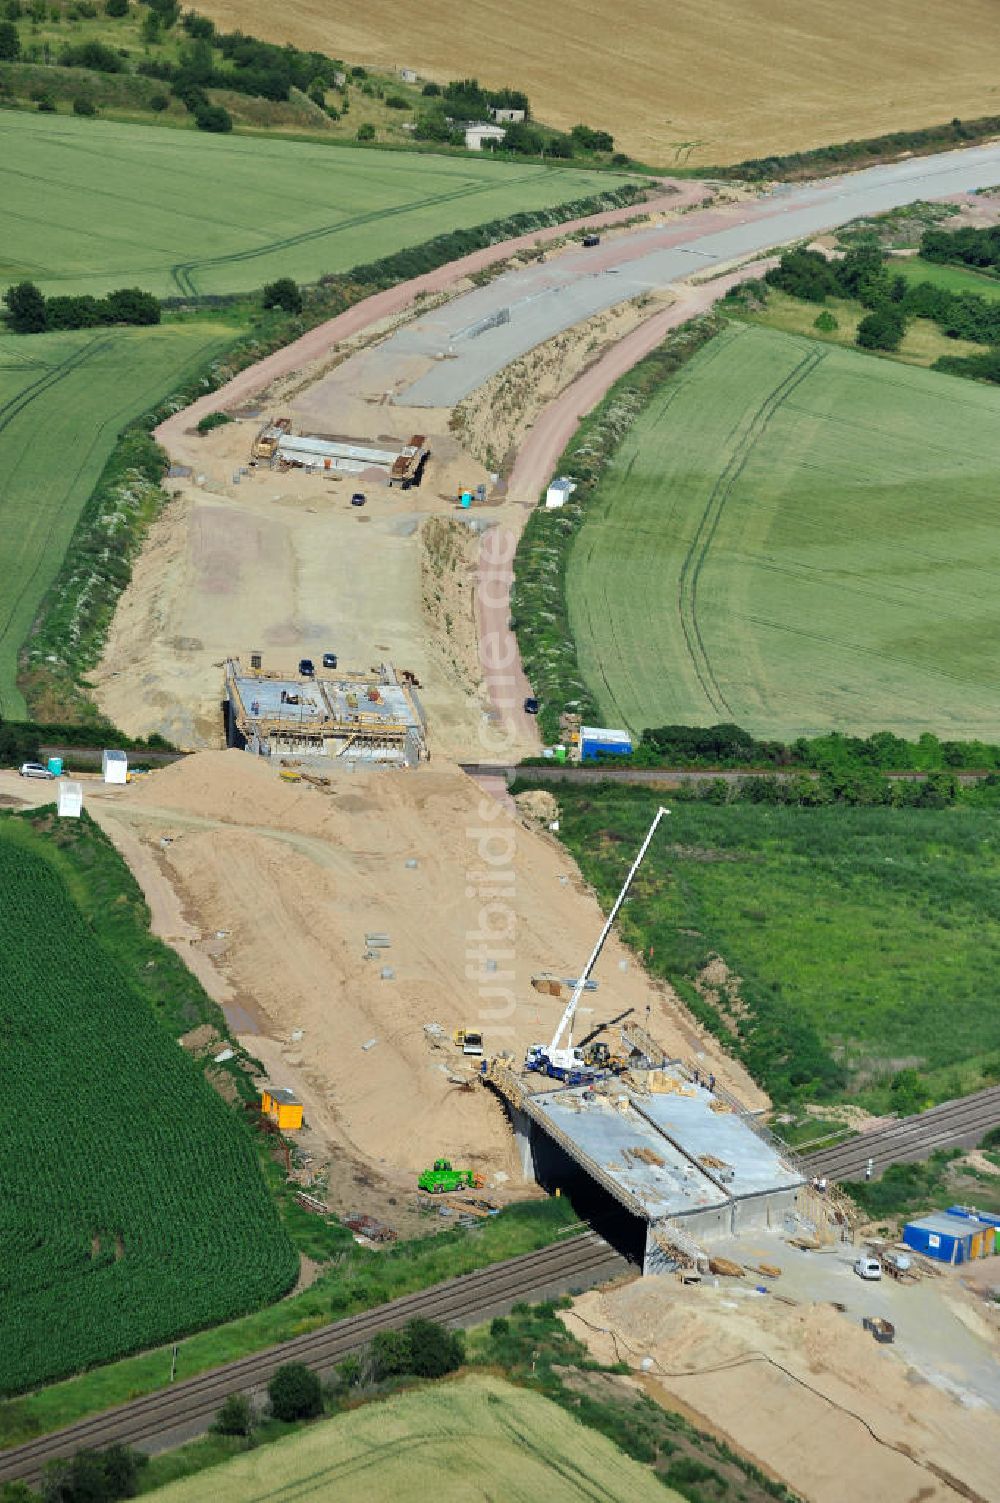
868	1268
35	770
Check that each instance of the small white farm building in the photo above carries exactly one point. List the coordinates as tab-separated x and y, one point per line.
506	117
475	135
559	492
114	766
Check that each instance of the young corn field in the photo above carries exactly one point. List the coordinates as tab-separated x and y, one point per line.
132	1207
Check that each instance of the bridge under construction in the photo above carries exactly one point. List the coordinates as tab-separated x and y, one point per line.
323	716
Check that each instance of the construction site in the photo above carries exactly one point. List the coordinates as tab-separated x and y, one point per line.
312	715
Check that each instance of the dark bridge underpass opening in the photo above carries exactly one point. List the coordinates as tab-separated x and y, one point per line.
556	1170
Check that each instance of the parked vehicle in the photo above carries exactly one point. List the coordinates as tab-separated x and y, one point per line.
35	770
358	499
469	1040
868	1268
531	705
590	240
329	660
307	667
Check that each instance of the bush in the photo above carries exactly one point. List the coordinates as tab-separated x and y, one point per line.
882	329
213	420
159	102
591	140
283	294
365	132
213	117
295	1392
84	106
423	1348
397	102
27	311
46	104
826	323
116	8
434	1350
234	1417
95	1476
92	55
10	42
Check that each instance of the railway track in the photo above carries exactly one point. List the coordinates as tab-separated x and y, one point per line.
953	1124
171	1415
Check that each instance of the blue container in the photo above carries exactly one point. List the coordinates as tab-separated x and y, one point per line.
55	765
466	498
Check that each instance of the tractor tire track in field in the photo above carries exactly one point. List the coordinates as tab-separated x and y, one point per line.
8	412
689	576
182	272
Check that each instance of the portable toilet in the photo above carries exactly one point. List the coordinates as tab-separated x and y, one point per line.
70	799
466	498
55	766
114	766
989	1221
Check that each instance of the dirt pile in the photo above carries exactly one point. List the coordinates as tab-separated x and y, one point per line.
802	1389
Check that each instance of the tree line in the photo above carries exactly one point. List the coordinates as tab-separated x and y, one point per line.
29	311
730	746
864	275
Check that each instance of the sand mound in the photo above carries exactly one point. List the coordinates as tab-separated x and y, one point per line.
801	1388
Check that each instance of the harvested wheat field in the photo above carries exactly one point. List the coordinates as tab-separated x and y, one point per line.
684	83
295	877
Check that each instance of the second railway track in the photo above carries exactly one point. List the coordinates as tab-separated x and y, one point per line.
958	1123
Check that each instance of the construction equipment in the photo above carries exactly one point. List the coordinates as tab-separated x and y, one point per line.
601	1057
469	1040
568	1063
443	1179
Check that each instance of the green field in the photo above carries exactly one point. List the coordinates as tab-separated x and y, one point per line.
957	279
473	1439
869	935
132	1204
63	400
797	538
90	205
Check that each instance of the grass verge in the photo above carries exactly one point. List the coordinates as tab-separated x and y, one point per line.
817	943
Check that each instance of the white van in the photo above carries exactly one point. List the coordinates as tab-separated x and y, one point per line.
868	1268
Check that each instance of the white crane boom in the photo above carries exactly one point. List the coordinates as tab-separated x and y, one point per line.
566	1021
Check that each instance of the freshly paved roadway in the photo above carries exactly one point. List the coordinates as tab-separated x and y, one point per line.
543	299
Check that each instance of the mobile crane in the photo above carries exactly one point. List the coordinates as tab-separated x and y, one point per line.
568	1063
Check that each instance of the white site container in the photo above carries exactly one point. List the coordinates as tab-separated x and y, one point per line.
114	766
70	799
